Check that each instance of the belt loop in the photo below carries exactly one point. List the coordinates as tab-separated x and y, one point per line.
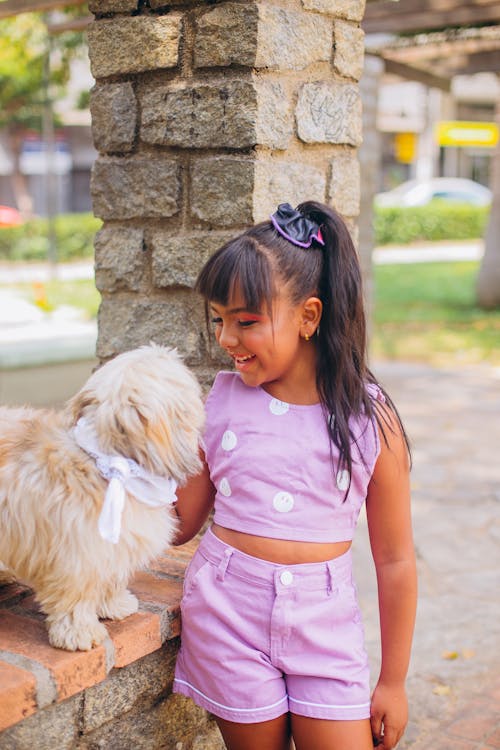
222	567
331	577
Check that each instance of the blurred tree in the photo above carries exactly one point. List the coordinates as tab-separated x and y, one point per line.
33	67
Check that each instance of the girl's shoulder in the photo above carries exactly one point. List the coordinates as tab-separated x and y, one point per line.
225	383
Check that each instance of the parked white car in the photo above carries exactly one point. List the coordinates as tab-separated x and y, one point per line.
421	192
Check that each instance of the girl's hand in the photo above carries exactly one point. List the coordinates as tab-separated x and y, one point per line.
389	715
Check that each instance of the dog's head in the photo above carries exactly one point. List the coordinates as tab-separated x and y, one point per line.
145	404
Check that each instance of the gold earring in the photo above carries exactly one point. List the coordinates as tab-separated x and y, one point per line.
306	336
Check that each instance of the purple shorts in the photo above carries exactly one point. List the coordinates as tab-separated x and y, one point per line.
261	639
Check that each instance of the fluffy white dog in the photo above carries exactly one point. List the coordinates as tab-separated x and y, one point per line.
86	493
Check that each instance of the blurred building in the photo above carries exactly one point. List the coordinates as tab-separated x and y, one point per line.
426	132
69	162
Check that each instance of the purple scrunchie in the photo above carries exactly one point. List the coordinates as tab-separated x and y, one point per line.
295	227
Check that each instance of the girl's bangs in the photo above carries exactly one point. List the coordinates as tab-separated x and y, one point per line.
237	267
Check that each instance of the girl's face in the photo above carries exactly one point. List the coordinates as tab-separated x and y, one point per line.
267	351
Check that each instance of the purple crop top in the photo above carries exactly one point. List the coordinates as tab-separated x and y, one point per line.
270	463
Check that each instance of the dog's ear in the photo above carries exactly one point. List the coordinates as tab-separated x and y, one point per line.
77	405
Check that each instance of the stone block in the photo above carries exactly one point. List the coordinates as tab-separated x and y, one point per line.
274	124
114	116
353	10
201	115
186	720
349	49
227	35
177	260
345	183
227	114
329	112
135	187
120	260
169	725
175	319
261	36
285	182
119	46
112	6
288	40
221	190
54	727
140	682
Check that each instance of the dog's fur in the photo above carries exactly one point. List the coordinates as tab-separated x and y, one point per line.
145	405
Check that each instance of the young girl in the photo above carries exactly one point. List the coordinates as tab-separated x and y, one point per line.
297	438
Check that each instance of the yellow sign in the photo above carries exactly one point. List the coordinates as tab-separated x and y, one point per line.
461	133
405	145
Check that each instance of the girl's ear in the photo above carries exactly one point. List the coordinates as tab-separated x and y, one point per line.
312	310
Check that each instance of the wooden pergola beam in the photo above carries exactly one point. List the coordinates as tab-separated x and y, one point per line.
416	74
76	24
481	62
10	8
410	16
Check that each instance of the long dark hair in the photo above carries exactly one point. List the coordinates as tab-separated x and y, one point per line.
260	258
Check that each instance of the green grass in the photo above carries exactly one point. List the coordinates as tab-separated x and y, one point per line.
427	312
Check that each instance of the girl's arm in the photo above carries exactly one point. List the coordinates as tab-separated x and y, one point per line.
389	524
194	503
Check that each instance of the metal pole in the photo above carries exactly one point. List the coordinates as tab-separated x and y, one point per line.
50	152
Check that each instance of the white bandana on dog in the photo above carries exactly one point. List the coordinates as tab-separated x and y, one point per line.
123	474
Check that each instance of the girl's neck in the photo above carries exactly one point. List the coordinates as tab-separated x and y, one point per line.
299	389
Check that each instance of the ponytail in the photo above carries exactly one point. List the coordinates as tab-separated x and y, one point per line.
342	371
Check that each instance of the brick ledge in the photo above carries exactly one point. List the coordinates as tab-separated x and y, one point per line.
34	675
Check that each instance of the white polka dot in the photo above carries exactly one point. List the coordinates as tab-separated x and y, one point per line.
229	440
278	407
225	487
343	479
283	502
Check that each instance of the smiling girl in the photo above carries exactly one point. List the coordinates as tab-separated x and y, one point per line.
298	437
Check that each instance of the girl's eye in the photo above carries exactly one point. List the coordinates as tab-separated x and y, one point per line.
216	321
246	323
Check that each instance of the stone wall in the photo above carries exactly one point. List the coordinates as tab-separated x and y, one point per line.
206	116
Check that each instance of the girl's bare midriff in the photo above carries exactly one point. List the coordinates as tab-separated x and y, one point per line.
281	551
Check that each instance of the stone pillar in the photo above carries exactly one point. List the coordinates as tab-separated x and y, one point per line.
206	117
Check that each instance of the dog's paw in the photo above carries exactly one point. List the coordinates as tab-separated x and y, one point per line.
120	606
65	633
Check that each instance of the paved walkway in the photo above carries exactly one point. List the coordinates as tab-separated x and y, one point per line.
453	419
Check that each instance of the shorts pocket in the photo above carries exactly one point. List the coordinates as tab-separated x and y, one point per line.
346	603
193	571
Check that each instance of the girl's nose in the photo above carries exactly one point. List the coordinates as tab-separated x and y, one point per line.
227	337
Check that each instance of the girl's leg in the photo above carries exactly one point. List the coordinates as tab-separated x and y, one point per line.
265	735
322	734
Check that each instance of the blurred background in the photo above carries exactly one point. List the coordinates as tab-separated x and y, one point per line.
430	92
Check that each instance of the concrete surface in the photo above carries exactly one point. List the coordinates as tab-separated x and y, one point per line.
453	419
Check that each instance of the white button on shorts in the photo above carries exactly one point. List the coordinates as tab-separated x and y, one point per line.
286	578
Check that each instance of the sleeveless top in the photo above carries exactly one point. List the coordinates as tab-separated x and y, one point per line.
271	465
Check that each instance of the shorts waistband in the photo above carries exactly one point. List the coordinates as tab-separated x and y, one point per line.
316	576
